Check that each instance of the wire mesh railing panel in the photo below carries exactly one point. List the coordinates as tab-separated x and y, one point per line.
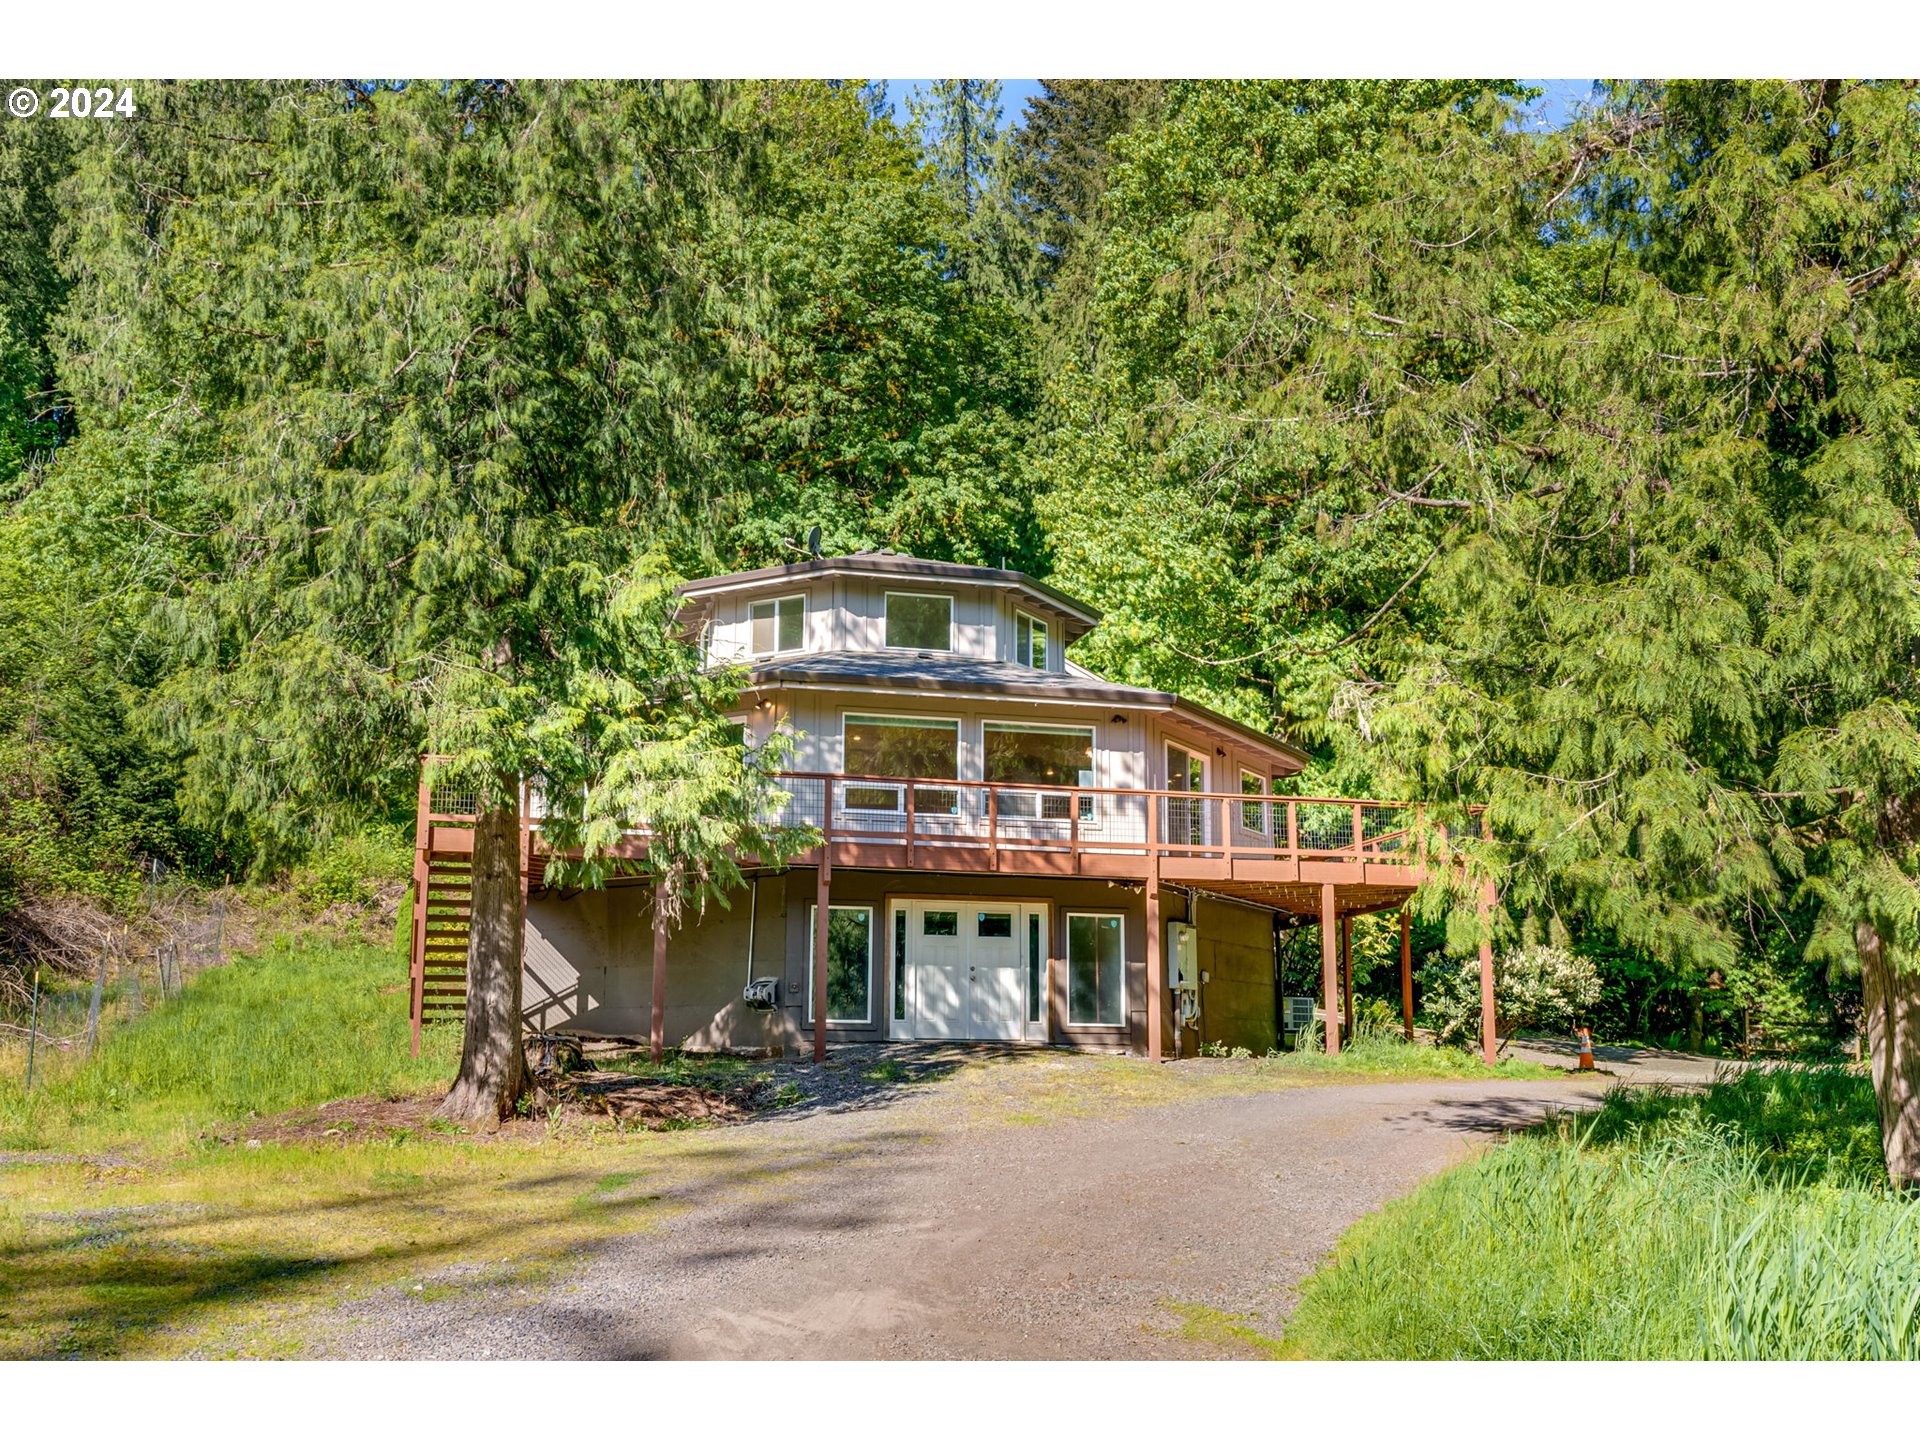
1324	825
1383	828
451	798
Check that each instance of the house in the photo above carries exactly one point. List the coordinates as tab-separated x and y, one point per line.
1013	848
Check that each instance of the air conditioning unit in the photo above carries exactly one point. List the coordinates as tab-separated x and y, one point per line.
1298	1012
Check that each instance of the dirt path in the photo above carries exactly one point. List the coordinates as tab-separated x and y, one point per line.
919	1232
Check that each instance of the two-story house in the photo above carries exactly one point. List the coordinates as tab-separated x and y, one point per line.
1013	849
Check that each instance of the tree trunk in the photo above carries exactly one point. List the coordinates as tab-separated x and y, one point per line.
1892	1016
493	1062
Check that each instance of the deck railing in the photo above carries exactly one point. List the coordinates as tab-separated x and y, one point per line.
948	815
945	819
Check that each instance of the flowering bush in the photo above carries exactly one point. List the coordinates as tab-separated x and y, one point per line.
1536	987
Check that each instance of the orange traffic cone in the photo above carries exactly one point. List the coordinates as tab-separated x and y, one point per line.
1586	1048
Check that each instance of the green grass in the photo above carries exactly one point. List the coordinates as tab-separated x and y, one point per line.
302	1023
1378	1049
146	1232
1751	1221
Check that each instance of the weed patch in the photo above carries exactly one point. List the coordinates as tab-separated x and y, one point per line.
1745	1222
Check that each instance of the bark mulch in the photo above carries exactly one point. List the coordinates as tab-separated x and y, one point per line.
618	1100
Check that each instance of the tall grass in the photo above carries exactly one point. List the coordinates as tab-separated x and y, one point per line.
304	1022
1748	1222
1378	1046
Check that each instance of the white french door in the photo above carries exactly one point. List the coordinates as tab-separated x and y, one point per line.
969	969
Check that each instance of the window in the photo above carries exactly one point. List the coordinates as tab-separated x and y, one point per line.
1029	641
905	746
900	964
1034	965
1096	970
778	625
919	622
849	962
1039	755
1253	816
940	923
995	925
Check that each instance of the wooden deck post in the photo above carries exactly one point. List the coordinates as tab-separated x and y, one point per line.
422	882
1406	972
1489	1042
1156	962
1346	975
1329	967
659	1033
822	901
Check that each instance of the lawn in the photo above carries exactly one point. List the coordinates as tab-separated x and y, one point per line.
137	1219
151	1206
1750	1221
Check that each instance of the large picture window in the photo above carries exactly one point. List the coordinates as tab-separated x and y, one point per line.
778	625
919	622
1039	755
849	962
909	746
1096	970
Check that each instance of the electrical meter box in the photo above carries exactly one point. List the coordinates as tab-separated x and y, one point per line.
1183	955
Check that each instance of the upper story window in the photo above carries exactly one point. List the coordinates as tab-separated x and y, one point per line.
919	622
779	625
1253	813
1029	640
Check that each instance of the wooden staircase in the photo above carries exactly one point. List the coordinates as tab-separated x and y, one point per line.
445	926
443	905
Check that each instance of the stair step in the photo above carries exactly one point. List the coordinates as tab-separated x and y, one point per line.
446	949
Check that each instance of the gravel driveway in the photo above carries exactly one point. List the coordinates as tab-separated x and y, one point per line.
918	1231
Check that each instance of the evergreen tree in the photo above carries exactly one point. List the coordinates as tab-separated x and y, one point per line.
891	401
447	350
1064	151
991	248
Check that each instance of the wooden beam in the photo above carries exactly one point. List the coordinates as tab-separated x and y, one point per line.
659	1034
1346	972
1329	966
1156	962
422	882
1489	1042
822	910
1406	972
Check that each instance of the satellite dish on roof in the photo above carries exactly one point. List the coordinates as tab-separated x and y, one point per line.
813	542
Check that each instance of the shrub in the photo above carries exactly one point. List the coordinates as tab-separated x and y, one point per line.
1534	987
350	869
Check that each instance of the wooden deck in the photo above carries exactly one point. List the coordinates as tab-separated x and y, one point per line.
1322	858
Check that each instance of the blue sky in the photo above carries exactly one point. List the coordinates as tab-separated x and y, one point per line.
1553	107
